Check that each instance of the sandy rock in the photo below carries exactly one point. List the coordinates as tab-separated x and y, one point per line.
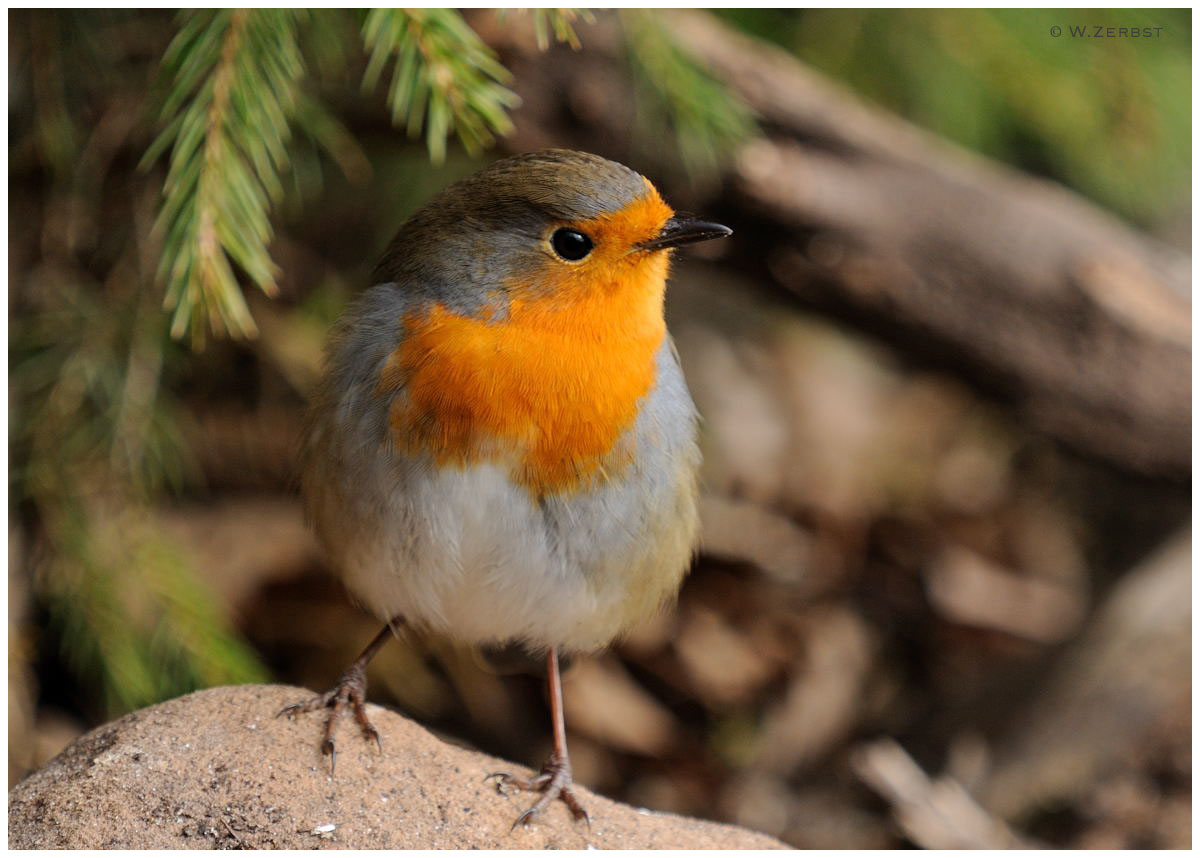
217	769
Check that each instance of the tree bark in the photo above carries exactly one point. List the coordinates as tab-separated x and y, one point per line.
1030	292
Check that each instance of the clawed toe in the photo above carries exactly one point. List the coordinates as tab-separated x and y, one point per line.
553	782
504	779
350	692
311	705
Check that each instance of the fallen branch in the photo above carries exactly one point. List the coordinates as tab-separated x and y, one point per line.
1022	286
934	814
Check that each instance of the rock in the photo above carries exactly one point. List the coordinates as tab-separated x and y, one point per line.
217	769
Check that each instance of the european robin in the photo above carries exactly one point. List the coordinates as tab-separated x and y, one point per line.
502	447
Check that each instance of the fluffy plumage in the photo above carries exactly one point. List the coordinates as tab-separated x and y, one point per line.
503	447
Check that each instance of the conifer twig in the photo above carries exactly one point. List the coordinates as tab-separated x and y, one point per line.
445	79
233	78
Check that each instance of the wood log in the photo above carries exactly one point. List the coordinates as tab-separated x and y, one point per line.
1111	688
1022	287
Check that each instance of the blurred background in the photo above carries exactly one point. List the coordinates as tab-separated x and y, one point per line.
944	595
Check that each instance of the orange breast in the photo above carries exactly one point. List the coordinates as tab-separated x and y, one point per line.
551	387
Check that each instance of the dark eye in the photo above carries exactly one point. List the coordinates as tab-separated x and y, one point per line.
571	244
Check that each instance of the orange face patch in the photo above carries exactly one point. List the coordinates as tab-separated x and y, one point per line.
553	386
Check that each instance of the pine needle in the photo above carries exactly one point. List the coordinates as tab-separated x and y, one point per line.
232	78
95	436
678	99
560	22
445	79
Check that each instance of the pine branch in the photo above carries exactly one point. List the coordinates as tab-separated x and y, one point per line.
445	79
94	432
233	91
135	620
679	99
560	22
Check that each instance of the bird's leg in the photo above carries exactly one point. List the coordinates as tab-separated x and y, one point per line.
554	781
351	690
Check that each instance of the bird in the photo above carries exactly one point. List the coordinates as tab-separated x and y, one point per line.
502	447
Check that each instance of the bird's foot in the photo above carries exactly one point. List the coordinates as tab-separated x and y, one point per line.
350	692
553	782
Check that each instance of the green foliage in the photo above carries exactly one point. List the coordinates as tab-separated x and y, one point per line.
133	618
94	432
1110	117
232	94
445	79
678	100
85	382
227	122
94	439
560	22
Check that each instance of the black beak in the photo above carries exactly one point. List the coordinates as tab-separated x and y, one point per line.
685	230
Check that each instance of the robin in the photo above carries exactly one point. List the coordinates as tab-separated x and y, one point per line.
502	447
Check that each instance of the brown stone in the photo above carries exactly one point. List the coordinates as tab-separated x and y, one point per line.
217	769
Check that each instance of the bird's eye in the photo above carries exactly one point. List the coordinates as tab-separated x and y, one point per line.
571	244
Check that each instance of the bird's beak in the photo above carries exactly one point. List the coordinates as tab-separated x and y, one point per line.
684	230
